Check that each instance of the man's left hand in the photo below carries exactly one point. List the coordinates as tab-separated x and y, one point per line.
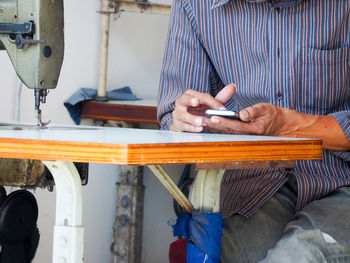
260	119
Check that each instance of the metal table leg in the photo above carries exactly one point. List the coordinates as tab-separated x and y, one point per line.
68	238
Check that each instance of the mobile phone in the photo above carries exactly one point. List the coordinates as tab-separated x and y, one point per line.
223	113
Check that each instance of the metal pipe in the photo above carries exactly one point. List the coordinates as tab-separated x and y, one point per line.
103	67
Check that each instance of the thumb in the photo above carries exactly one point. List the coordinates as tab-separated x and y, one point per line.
226	93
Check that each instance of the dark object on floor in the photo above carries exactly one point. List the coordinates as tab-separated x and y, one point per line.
19	235
178	251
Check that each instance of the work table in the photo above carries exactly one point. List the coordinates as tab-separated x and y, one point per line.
141	147
59	146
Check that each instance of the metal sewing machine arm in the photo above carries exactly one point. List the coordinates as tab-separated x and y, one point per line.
32	34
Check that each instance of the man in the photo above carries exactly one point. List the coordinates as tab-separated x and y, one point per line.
290	61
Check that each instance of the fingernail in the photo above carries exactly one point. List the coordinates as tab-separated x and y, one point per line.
199	129
214	120
194	102
243	114
233	85
198	121
222	108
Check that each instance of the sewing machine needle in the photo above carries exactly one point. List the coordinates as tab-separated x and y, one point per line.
40	123
37	117
40	96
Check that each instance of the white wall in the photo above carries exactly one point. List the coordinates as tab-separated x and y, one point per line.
137	44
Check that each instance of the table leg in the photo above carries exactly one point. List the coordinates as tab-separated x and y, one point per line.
68	239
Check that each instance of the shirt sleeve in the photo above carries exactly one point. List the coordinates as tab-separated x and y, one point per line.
343	118
185	63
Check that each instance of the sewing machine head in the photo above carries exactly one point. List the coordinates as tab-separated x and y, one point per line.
32	34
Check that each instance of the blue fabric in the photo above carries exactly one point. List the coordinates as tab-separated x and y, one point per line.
203	232
73	103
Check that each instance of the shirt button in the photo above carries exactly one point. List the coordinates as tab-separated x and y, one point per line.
279	95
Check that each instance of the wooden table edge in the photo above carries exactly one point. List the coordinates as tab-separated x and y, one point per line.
160	153
119	112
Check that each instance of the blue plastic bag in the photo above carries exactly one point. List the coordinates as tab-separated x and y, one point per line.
203	232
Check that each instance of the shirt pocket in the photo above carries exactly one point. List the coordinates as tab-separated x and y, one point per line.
323	80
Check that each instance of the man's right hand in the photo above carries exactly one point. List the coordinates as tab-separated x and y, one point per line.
188	114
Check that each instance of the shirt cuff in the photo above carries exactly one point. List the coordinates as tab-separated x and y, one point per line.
166	121
343	118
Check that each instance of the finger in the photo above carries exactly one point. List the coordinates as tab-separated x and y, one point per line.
182	126
251	113
206	99
184	116
187	100
226	93
192	120
225	125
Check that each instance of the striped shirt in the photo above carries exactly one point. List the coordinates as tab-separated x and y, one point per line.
293	54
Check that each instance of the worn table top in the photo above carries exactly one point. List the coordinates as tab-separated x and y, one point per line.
138	146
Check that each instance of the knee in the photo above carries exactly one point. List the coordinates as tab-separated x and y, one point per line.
307	246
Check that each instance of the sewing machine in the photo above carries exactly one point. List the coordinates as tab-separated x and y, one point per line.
32	34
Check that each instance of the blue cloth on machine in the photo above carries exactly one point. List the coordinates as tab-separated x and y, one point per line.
73	103
203	232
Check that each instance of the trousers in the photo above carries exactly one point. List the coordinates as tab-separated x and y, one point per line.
319	233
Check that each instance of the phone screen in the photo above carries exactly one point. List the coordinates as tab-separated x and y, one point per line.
223	113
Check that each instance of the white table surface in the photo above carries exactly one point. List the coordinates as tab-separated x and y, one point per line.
127	136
